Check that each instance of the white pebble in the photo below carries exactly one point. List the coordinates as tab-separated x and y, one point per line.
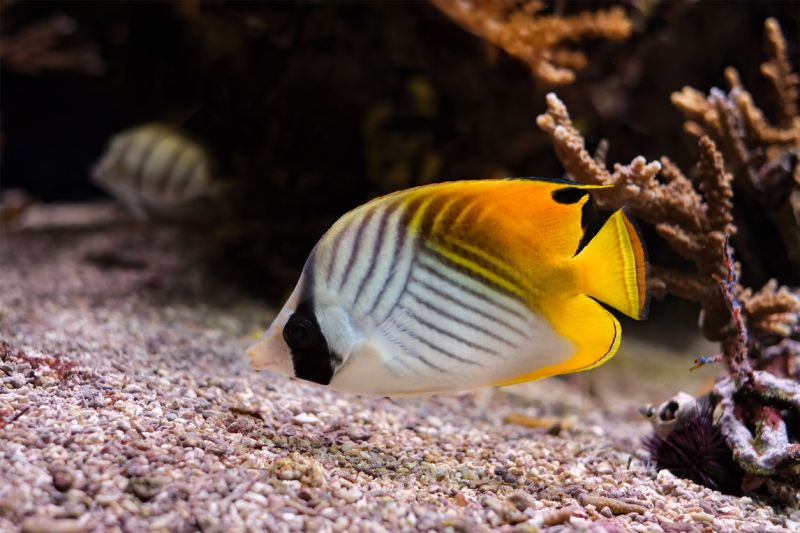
306	418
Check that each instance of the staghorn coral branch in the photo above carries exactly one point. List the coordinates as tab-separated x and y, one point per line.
697	111
778	70
680	240
697	226
730	132
601	153
773	310
759	331
671	173
679	283
762	157
44	46
782	358
524	32
757	126
715	185
634	185
583	167
735	339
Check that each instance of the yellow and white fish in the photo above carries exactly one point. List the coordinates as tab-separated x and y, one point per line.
156	170
458	285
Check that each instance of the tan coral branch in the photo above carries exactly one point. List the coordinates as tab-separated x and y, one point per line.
539	40
773	310
762	157
45	45
778	70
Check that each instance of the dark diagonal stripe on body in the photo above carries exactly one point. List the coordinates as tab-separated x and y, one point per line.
501	272
432	345
412	352
166	172
377	247
430	210
402	235
478	294
443	259
147	152
362	223
449	316
183	181
446	333
449	297
337	242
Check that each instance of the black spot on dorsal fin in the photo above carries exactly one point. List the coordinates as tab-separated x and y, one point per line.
569	195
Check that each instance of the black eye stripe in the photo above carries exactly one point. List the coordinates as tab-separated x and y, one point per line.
300	332
310	354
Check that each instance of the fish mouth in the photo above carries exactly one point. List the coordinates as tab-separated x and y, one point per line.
271	353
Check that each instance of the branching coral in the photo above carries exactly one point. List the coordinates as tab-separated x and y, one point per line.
46	45
519	28
696	227
761	156
778	70
770	311
759	400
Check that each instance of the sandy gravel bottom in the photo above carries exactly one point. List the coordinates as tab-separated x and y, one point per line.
126	405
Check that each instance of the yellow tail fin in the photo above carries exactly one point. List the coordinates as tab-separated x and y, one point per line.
613	267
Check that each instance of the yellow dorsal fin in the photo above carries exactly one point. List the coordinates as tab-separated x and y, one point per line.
557	224
516	219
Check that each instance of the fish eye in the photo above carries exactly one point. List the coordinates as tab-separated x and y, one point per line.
300	332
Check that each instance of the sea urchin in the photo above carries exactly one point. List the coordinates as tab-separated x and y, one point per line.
688	443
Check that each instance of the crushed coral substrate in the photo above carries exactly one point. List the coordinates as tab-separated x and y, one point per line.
126	404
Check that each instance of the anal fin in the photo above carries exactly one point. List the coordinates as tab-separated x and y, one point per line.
593	330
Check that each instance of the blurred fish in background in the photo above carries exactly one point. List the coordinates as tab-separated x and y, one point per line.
314	108
159	172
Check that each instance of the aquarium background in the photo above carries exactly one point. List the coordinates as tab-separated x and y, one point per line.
317	107
123	334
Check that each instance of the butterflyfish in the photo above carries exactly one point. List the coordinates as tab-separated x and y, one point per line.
157	171
458	285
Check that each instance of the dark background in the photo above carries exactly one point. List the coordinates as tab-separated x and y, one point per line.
320	106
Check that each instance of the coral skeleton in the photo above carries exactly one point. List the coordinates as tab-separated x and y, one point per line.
758	402
53	44
760	156
524	32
